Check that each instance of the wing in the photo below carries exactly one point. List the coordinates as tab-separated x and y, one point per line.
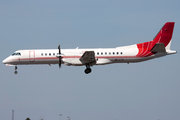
88	57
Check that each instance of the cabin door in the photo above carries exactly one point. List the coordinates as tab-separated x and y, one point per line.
32	56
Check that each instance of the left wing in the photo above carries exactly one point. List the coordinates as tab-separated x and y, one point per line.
88	57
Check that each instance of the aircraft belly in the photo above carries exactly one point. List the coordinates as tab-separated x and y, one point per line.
72	61
102	61
37	61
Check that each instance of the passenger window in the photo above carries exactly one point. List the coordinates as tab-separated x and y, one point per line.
97	53
49	54
113	53
41	54
45	54
105	53
109	53
117	53
102	53
121	53
54	54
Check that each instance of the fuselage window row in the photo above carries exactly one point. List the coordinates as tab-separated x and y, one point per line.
114	53
49	54
98	53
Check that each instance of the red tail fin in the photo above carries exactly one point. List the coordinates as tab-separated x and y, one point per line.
164	36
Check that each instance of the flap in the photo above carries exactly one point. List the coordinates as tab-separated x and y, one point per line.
88	57
158	47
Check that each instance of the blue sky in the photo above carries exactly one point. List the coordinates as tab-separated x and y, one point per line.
147	90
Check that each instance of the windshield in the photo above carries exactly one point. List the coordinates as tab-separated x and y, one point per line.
16	54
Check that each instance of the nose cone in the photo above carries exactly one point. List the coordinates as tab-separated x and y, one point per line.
5	61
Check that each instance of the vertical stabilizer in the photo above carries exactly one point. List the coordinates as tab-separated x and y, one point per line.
164	35
160	43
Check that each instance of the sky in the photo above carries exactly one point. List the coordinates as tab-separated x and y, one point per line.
136	91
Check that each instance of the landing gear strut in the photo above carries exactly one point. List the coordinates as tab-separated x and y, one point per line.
88	69
15	72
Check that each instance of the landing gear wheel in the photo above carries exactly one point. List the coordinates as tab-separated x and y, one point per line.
15	72
15	67
87	70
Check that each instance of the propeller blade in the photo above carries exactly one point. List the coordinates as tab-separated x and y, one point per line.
59	56
59	61
59	49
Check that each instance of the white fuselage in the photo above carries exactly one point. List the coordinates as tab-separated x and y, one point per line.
126	54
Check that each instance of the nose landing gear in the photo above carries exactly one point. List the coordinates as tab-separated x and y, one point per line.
88	69
15	72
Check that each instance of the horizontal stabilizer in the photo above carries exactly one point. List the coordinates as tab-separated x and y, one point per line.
158	47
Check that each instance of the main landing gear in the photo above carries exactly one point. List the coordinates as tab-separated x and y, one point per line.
15	72
88	69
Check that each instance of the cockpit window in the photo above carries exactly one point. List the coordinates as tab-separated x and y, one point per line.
13	54
16	54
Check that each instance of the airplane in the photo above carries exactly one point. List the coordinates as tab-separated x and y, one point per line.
158	47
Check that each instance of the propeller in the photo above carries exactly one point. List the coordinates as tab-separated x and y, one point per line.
59	56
